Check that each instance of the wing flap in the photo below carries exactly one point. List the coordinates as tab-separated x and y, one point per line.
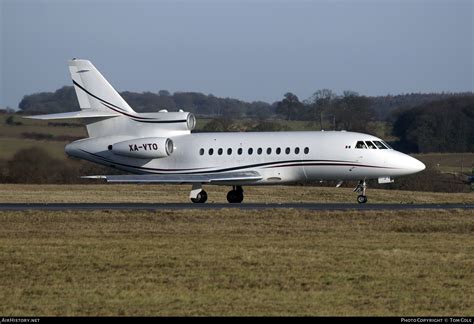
181	178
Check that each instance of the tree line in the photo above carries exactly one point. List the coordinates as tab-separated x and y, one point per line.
420	122
64	100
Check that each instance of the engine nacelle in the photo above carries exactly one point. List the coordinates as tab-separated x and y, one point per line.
144	148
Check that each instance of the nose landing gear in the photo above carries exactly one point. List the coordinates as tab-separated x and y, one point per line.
360	189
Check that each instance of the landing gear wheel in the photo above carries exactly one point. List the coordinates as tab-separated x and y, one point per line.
361	199
236	195
200	198
361	188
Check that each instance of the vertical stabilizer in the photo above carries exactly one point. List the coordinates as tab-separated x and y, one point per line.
93	90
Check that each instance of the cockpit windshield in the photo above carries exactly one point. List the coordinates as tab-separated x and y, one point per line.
381	145
388	146
360	145
370	145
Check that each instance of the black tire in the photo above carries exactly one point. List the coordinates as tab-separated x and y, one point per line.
361	199
201	198
235	196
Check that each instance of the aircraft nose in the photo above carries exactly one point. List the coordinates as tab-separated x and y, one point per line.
413	165
418	165
404	164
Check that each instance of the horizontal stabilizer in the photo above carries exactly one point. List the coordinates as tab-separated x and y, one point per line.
181	178
86	113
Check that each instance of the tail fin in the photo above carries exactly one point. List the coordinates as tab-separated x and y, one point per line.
92	89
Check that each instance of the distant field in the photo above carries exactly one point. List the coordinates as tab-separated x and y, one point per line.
449	162
9	146
180	193
232	262
11	140
38	126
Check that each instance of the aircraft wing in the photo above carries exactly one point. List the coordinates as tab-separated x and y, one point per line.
240	176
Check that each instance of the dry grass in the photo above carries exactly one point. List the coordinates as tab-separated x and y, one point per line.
449	162
232	262
10	146
180	193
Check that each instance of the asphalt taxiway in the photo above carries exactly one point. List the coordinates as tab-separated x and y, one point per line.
211	206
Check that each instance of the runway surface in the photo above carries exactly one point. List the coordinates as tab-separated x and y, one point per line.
210	206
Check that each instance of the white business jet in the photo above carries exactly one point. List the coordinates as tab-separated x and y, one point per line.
160	148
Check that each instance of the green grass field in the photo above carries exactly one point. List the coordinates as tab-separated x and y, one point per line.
232	262
11	140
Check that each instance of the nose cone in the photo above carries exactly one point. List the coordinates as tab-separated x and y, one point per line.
411	165
418	166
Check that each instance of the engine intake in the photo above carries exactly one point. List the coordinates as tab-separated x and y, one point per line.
144	148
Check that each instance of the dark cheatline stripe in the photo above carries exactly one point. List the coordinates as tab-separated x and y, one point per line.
123	113
269	164
121	110
142	120
330	164
161	121
93	95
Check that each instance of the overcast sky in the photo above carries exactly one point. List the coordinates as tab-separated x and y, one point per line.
251	50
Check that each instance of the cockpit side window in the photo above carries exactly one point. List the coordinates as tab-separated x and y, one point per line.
360	145
380	145
370	145
387	146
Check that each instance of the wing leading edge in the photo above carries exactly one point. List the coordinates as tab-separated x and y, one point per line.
181	178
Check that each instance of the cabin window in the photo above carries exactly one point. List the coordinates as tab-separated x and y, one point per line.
278	150
250	151
269	150
201	151
370	145
297	150
211	151
306	150
259	151
219	151
229	151
239	151
287	150
380	145
360	145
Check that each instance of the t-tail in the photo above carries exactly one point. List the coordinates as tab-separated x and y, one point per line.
106	113
94	91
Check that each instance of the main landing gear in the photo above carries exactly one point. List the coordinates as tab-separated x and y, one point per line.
236	195
360	189
199	196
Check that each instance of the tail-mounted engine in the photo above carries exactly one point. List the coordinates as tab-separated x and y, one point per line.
144	148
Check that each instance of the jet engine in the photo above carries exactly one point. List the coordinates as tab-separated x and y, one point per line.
144	148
